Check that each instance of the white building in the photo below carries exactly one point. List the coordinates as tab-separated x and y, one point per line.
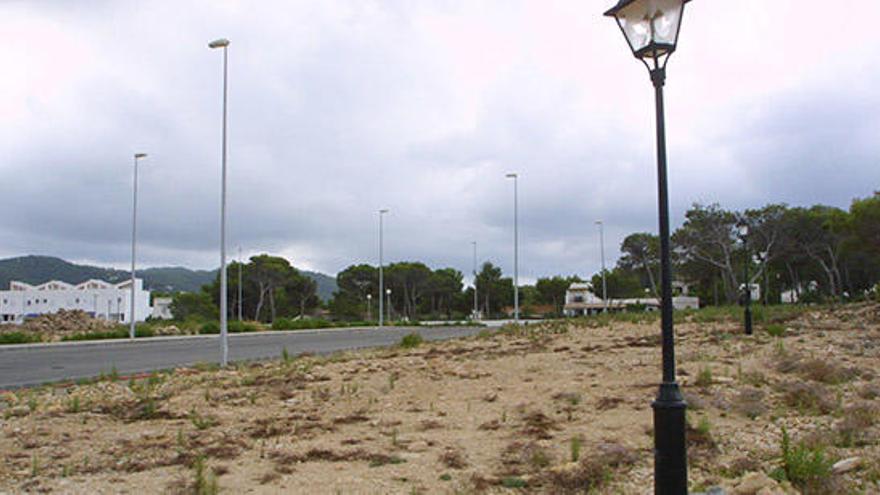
580	301
162	308
96	297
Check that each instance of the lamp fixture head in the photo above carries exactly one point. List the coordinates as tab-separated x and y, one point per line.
220	43
650	27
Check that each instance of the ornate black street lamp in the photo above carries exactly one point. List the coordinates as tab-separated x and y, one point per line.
747	287
651	29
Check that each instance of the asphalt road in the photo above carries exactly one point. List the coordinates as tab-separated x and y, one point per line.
36	364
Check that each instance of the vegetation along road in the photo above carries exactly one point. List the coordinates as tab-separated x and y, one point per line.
24	365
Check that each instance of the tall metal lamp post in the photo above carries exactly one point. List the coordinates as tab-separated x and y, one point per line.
388	293
134	209
651	29
475	280
747	287
382	212
224	338
515	178
602	251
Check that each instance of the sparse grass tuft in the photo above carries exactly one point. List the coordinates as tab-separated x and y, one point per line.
202	422
853	428
204	479
812	398
575	448
704	378
750	403
592	473
775	330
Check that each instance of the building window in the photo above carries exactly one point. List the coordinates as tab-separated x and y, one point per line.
29	302
77	300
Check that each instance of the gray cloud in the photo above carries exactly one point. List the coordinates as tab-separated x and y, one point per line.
340	108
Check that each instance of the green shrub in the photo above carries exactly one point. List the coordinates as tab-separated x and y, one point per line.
301	324
209	327
806	467
236	326
119	333
411	340
18	338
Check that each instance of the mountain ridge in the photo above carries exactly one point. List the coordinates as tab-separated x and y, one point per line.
36	269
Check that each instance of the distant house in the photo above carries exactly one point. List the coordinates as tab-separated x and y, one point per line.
161	308
98	298
581	301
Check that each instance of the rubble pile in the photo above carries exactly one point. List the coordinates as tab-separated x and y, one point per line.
55	326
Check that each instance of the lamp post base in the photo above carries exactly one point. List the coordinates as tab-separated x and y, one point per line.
670	451
748	321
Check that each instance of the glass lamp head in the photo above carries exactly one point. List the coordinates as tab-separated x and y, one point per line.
651	27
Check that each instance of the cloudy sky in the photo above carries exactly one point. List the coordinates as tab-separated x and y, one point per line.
339	108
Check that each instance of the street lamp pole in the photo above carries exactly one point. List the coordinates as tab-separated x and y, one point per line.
651	29
388	293
134	208
747	287
224	337
475	279
240	290
515	177
381	274
602	250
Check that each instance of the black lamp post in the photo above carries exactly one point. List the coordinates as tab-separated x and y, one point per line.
651	29
747	287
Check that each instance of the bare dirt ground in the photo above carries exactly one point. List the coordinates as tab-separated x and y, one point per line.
562	407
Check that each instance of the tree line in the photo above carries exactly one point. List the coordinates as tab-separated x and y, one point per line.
817	252
270	288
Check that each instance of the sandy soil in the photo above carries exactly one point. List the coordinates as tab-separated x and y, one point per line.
496	413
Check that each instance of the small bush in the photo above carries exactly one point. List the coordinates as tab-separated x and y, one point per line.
806	467
210	327
236	326
775	330
300	324
411	340
119	333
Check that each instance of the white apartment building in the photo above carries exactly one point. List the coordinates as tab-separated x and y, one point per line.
98	298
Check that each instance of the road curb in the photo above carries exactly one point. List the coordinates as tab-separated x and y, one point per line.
171	338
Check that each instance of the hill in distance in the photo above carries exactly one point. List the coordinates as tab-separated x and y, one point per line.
38	269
